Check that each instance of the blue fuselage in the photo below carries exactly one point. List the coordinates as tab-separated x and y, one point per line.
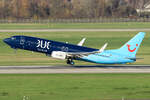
43	45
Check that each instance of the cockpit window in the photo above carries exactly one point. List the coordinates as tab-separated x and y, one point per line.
13	38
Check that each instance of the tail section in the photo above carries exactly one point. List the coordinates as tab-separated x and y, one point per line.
131	47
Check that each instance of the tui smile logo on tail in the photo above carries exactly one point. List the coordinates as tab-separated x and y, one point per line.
130	49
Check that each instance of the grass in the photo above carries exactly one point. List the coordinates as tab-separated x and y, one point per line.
74	86
94	40
125	25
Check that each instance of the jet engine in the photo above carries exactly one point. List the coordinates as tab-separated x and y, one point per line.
59	55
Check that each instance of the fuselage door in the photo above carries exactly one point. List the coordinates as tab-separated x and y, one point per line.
22	41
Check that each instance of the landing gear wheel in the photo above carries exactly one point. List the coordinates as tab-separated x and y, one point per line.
70	62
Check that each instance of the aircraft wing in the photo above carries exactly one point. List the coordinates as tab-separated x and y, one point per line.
81	54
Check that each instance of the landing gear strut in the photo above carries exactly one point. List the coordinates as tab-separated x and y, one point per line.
70	61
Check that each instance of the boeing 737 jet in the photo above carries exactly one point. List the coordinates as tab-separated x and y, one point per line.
70	52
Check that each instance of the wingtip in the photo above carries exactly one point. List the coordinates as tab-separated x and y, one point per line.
103	48
81	42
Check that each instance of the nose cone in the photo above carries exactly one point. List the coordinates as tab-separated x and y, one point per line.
7	40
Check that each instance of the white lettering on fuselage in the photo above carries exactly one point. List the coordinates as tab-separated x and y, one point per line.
42	50
43	44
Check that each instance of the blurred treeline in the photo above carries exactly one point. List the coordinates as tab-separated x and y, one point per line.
50	9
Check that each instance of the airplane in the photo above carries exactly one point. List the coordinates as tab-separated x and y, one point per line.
70	52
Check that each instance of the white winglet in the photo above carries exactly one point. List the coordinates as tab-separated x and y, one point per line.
81	42
103	48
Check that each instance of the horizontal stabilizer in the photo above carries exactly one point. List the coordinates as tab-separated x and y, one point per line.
135	58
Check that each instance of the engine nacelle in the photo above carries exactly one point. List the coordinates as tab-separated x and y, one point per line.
59	55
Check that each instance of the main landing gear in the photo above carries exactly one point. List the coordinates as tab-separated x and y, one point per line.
70	61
